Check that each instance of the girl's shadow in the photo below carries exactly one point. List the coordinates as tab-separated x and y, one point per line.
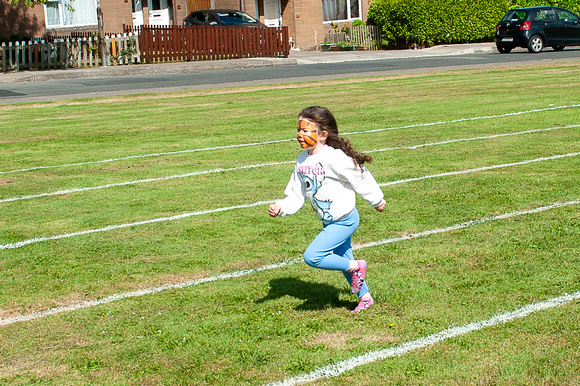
316	296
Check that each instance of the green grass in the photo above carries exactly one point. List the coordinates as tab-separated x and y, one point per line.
278	323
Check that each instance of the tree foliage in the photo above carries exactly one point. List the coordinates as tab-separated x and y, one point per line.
432	22
28	3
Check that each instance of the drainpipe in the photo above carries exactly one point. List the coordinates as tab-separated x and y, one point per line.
242	8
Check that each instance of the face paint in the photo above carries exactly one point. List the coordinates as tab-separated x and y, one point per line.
307	134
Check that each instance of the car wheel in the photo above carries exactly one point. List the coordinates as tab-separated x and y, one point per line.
535	44
558	48
504	50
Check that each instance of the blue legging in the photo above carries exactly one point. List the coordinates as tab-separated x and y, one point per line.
331	249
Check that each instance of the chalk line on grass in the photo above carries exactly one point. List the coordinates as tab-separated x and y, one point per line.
284	140
23	243
413	147
129	157
126	183
338	368
220	170
481	169
225	276
416	125
20	244
467	224
142	292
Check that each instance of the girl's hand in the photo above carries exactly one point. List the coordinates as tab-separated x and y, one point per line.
381	207
274	210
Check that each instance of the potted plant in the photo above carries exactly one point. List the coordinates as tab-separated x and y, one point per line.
327	46
346	46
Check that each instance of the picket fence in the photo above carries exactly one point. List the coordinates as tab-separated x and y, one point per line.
69	53
148	44
365	36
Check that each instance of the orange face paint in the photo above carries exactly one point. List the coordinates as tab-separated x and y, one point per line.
307	134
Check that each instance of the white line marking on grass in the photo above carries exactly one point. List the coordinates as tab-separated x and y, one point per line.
225	276
467	224
479	169
374	356
138	293
193	174
147	156
471	139
286	140
20	244
462	120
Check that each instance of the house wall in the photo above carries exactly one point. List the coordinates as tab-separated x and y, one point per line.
302	17
309	28
115	14
30	21
21	20
180	11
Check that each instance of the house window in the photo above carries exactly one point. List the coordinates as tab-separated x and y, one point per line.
77	13
338	10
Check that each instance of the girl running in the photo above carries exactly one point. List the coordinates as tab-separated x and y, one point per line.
329	173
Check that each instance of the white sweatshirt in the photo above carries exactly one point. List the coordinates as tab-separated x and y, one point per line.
329	180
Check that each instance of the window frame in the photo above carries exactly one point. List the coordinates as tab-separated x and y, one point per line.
349	18
62	18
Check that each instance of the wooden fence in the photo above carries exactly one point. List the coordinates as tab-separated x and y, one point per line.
150	44
365	36
206	42
68	53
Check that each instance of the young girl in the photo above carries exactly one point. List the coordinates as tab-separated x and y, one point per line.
328	173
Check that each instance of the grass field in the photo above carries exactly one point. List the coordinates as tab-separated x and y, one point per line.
136	248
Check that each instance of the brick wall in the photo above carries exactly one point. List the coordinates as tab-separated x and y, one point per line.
21	20
115	14
309	29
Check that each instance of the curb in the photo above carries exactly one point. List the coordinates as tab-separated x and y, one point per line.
143	69
296	58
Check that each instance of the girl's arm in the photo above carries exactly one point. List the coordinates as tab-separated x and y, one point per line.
362	181
274	210
293	201
381	207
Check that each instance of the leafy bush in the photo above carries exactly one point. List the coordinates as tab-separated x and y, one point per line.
432	22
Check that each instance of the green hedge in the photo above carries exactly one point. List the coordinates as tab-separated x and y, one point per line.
429	22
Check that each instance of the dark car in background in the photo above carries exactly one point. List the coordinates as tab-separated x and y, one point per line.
227	17
535	28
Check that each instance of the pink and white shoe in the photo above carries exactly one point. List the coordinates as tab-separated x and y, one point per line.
364	303
358	276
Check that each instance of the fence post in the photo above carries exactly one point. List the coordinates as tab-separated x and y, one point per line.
101	35
4	57
10	54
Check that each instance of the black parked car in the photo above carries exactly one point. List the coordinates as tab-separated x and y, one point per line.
226	17
537	27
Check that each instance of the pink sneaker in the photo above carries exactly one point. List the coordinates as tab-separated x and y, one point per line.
358	276
364	303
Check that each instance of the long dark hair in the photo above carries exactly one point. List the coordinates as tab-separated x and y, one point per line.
326	122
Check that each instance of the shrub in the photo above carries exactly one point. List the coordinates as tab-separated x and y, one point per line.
430	22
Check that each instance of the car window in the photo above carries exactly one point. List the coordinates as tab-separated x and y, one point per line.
564	15
199	16
212	19
235	18
543	14
516	15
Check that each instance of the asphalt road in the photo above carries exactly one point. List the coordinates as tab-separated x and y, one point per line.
164	82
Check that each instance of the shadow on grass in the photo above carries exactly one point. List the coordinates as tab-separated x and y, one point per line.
316	296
